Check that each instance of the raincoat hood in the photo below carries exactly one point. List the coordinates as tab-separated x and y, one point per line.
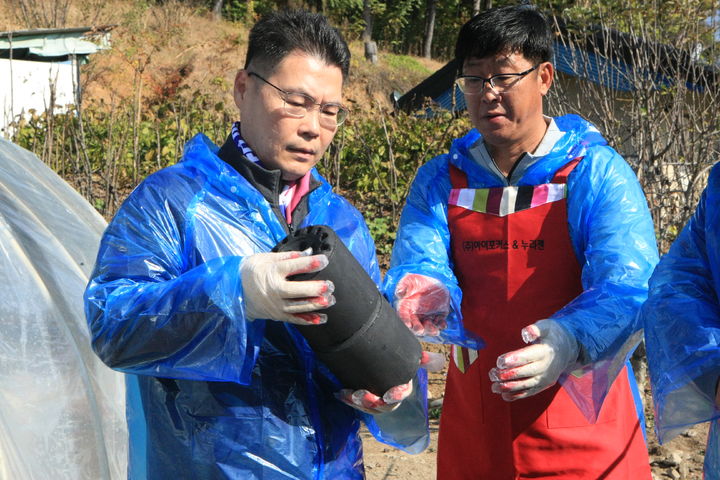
580	136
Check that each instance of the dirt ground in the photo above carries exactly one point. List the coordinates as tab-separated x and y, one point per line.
386	463
679	459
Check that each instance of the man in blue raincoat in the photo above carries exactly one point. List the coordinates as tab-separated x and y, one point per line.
187	299
682	326
531	230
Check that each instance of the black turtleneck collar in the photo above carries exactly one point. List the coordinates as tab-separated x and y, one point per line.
267	182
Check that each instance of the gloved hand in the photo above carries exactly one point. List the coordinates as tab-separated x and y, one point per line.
422	303
368	402
268	293
530	370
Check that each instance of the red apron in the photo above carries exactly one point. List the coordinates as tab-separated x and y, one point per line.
515	264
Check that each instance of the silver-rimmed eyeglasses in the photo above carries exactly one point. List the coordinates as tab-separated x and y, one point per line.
500	83
297	105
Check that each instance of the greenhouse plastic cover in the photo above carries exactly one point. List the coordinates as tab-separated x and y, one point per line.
62	412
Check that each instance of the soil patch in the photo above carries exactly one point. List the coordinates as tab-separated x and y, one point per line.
679	459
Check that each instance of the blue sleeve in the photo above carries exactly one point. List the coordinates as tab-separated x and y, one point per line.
614	239
682	322
406	427
150	314
422	246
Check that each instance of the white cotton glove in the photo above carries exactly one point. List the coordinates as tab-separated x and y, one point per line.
530	370
368	402
269	294
422	303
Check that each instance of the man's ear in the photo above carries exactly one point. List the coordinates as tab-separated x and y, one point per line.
240	86
546	74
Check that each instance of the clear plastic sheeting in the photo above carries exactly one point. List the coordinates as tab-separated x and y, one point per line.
682	327
61	410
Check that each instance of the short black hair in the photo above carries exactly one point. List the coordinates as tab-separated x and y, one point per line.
511	29
277	34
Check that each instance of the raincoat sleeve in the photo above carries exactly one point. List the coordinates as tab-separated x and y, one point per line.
682	322
149	314
406	427
422	246
614	240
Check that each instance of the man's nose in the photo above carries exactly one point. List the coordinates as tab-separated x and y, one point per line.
310	123
489	94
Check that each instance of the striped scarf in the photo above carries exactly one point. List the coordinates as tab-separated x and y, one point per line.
292	191
242	145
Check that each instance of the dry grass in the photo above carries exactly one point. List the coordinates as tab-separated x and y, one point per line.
179	49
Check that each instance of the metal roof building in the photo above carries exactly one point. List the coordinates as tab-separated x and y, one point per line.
603	56
40	69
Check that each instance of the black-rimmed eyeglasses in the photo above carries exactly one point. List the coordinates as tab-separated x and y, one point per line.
500	83
298	105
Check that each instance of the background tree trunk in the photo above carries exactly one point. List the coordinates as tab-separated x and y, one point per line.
368	18
481	6
217	9
429	28
370	46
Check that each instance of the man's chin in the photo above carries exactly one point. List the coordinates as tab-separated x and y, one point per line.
295	174
496	135
295	168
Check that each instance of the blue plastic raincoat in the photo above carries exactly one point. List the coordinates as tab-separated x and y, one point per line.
612	236
682	328
210	394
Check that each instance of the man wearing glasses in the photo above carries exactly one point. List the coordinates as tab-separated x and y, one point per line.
188	300
528	247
